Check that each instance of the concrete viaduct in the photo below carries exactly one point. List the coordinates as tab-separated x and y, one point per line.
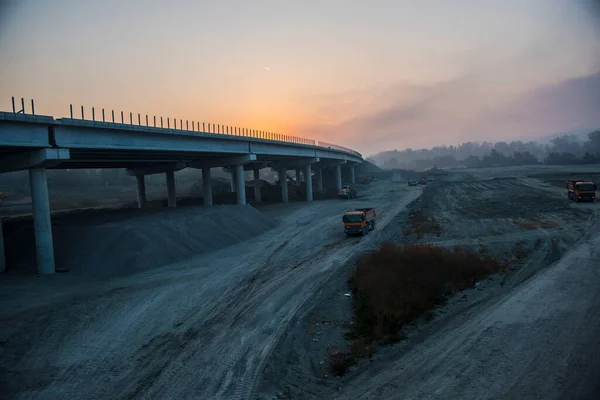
37	143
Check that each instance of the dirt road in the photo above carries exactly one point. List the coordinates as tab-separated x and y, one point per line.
201	328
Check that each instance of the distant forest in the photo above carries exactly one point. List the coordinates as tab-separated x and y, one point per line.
562	150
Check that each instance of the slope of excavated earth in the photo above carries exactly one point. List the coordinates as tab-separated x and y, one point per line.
522	221
129	241
537	341
200	328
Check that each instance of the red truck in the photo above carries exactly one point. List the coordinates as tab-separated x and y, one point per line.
581	190
359	221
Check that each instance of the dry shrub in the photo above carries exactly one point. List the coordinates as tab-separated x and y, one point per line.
339	362
521	251
536	223
394	285
362	348
421	224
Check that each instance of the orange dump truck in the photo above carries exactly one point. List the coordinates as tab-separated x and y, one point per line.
581	190
359	221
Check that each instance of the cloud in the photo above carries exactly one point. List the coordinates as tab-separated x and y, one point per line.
463	109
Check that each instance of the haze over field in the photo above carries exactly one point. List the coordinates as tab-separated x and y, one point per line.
368	75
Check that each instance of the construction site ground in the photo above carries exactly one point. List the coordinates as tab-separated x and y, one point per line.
253	319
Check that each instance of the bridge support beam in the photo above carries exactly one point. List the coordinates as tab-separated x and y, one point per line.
240	184
141	190
308	181
297	176
42	225
2	257
156	169
33	159
352	176
207	186
171	194
319	173
283	182
256	173
338	177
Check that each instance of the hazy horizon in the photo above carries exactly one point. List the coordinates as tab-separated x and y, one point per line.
373	77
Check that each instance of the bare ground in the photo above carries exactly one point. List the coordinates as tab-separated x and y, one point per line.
201	328
487	344
254	320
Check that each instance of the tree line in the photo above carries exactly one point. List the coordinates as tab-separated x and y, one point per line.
562	150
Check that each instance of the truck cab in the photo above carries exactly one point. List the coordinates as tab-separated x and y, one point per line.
347	192
359	221
581	190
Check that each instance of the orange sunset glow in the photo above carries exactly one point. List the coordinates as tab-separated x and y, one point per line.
367	75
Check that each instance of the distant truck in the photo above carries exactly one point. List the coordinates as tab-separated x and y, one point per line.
412	183
347	192
359	221
581	190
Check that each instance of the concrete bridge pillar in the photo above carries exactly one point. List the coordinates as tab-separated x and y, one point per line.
257	186
297	176
319	177
2	257
283	182
352	176
338	177
308	180
42	224
171	194
141	190
240	184
207	186
232	181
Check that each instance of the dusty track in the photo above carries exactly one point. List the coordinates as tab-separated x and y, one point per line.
202	328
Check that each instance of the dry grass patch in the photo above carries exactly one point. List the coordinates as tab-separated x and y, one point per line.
536	223
395	285
521	251
421	224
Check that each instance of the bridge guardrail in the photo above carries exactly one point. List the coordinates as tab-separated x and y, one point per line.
171	124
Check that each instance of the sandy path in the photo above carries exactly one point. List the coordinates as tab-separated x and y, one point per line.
538	341
202	328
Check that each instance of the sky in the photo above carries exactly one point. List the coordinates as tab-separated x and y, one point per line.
370	75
